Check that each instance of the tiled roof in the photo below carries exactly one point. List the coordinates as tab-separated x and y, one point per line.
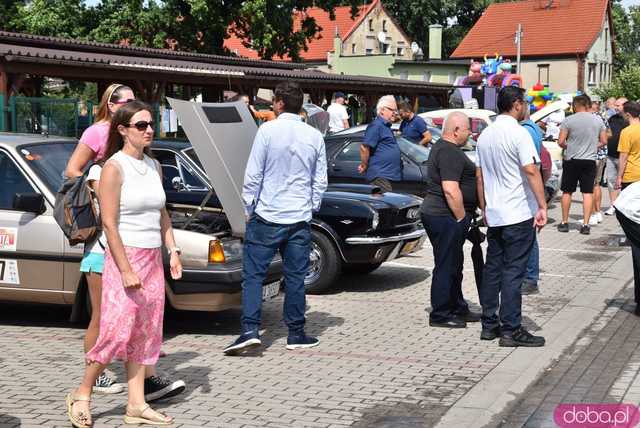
323	41
107	60
109	48
568	27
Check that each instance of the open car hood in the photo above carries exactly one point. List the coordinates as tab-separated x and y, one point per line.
222	135
549	109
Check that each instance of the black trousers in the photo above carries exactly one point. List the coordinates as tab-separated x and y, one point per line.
632	230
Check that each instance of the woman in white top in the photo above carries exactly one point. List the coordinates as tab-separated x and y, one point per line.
136	225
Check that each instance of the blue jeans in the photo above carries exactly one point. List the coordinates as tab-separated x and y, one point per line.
533	265
262	240
507	256
447	237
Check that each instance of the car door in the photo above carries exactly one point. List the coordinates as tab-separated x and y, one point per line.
31	245
343	166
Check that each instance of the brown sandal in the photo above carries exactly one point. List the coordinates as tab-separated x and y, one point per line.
80	420
144	414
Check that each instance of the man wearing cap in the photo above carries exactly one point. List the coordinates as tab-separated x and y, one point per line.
338	116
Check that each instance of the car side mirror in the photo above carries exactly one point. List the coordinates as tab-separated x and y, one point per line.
29	202
177	184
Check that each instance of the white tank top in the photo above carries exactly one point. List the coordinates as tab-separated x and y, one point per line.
141	199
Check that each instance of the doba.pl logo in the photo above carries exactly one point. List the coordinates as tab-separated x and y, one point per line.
580	415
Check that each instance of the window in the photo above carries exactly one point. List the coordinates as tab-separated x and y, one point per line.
350	153
353	48
592	74
606	40
384	25
174	166
371	25
426	76
48	161
404	75
400	51
369	52
13	181
386	48
543	74
602	77
369	44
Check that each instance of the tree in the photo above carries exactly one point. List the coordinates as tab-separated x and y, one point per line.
60	18
625	83
626	27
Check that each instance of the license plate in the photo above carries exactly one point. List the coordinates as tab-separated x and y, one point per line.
271	290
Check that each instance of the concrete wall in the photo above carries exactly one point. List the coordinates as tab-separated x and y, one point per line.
435	73
601	58
365	38
563	73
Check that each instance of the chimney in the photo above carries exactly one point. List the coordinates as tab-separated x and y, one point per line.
435	41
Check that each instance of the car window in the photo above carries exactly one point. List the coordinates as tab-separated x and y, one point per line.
418	153
13	181
173	166
349	153
191	154
48	161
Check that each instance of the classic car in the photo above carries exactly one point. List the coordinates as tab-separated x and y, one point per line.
343	158
356	229
480	118
37	264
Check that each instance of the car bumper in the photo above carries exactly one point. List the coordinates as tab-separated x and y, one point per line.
377	249
225	279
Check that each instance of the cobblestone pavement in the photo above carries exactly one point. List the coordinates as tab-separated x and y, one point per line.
603	366
378	365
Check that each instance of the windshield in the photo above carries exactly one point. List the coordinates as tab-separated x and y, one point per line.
415	151
48	161
191	154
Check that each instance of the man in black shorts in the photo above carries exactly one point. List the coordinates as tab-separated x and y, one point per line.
581	135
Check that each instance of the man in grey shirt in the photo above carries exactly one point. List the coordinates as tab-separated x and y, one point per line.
581	135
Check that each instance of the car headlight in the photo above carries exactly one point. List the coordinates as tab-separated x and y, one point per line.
375	220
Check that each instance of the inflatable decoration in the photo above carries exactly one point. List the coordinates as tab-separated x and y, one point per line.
493	72
538	96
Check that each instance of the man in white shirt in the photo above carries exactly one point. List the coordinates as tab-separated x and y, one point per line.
511	196
627	206
338	116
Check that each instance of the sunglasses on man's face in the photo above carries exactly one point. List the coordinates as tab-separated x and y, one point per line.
142	125
120	102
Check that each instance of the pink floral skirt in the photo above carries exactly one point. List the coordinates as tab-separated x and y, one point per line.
131	318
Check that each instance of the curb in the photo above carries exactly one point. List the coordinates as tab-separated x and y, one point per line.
492	395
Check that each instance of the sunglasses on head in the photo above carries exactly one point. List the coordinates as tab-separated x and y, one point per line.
142	125
119	102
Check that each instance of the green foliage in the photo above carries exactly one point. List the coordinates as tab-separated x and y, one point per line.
61	18
626	83
626	27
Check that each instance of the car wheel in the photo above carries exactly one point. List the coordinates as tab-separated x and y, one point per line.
361	268
324	264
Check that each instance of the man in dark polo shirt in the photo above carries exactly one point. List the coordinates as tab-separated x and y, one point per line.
447	209
413	127
379	152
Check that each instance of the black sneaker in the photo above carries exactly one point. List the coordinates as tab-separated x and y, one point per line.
490	334
302	341
522	337
106	385
454	322
157	388
469	316
246	341
585	229
563	227
529	287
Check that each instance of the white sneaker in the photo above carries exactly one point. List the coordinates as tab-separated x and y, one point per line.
610	211
593	220
600	217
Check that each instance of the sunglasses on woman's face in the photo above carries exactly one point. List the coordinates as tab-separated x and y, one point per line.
120	102
142	125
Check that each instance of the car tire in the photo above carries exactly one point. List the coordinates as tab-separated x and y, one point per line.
325	264
360	268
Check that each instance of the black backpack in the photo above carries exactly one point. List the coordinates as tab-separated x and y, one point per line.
75	212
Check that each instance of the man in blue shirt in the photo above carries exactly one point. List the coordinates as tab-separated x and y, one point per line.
380	159
285	178
413	127
530	282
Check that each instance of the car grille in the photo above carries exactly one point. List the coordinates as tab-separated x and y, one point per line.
397	219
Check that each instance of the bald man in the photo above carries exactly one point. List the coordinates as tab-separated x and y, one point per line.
447	209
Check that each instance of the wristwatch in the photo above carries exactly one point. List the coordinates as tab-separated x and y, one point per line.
174	250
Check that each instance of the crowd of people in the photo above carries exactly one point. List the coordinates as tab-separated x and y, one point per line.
285	178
